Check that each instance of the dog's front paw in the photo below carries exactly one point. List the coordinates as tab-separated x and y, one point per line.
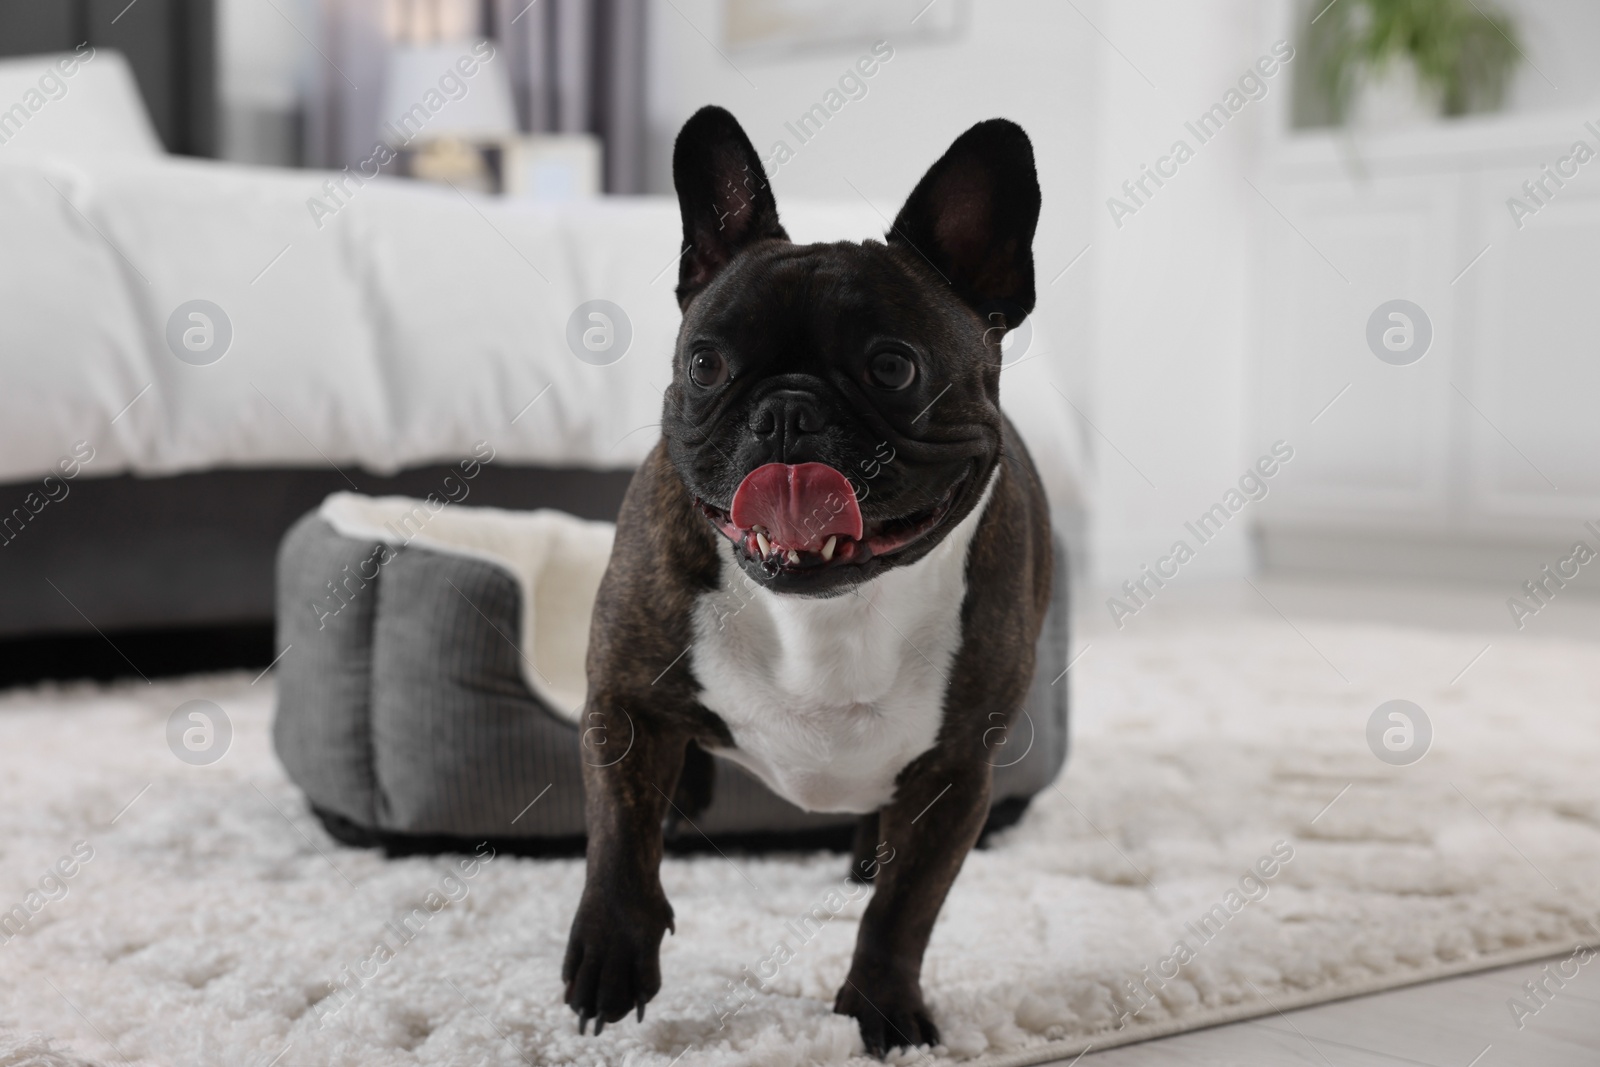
890	1012
613	962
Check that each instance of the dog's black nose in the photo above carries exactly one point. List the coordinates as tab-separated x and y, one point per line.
783	420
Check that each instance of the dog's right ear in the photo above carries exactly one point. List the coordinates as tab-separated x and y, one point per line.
724	196
972	218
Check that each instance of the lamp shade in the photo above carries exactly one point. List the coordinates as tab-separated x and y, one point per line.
446	89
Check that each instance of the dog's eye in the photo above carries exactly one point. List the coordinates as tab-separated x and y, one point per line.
891	370
707	368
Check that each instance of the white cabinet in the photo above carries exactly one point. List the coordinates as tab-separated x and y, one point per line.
1535	357
1484	454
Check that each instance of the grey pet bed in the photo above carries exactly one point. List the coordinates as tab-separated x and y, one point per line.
412	712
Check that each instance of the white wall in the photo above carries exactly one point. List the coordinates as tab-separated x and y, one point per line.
1171	283
1560	37
261	54
261	73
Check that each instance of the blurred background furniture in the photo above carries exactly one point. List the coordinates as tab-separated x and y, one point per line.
369	332
1174	348
463	114
568	67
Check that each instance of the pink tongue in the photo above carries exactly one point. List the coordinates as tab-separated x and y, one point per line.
800	505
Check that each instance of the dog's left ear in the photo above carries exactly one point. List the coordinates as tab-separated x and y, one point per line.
972	218
723	195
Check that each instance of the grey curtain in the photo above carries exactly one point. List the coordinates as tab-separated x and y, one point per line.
344	89
577	66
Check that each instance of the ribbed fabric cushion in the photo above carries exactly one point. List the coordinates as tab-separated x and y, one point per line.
323	729
405	711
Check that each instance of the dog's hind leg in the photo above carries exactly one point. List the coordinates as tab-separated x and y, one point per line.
696	787
863	853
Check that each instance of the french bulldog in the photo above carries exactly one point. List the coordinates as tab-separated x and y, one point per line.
833	568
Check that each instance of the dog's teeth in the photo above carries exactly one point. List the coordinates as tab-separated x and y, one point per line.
765	545
827	549
794	557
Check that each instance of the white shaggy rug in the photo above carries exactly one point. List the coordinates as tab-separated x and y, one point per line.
213	914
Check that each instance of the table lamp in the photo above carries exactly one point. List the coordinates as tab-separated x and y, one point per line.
447	110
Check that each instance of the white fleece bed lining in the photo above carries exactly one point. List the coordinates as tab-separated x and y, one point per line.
556	559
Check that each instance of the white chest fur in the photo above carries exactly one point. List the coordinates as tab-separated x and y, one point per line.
828	700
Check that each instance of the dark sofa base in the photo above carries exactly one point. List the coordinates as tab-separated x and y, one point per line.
167	652
196	551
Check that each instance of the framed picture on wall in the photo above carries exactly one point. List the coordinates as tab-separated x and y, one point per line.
777	27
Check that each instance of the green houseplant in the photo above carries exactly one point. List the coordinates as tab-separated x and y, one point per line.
1463	52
